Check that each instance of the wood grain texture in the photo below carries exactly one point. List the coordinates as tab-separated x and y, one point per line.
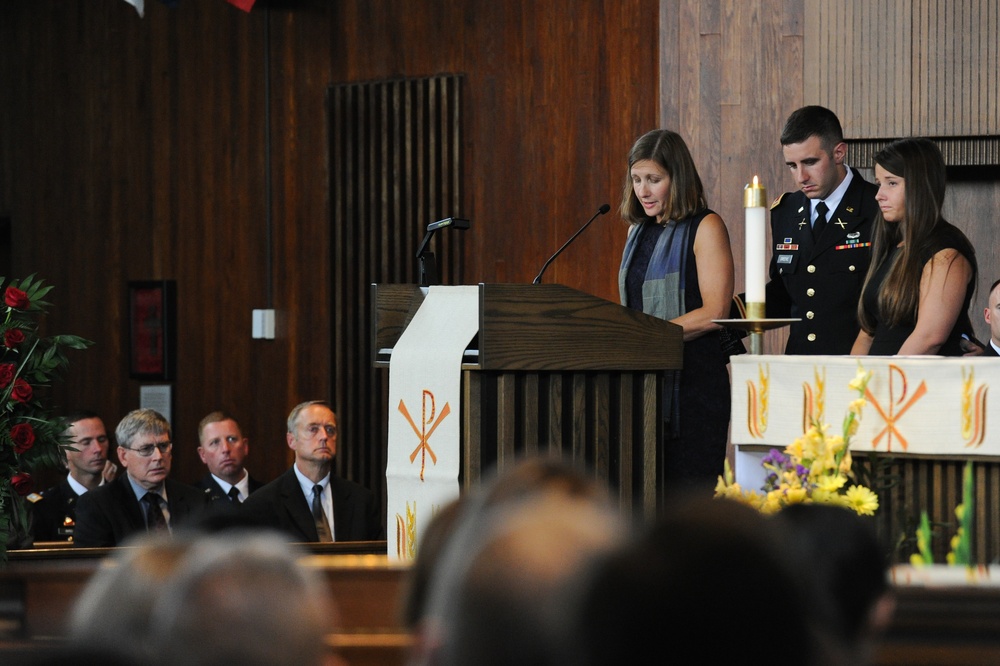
138	148
921	68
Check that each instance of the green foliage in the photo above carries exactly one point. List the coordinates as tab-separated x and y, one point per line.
30	436
961	543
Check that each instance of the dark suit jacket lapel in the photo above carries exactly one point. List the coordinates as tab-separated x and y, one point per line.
66	491
128	504
343	509
177	502
214	489
297	507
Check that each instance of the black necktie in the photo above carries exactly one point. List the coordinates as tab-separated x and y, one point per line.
322	527
234	495
154	514
820	223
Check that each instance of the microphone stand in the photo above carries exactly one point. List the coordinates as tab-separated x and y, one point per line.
600	211
427	266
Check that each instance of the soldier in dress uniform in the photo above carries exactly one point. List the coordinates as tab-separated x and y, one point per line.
224	449
821	235
54	511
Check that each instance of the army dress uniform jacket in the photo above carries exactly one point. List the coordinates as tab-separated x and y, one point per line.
213	491
820	281
54	513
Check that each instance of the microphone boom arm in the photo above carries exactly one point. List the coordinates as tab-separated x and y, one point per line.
600	211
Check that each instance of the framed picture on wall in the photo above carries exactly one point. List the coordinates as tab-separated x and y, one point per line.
152	319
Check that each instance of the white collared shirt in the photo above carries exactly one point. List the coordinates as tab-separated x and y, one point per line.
78	487
243	486
326	497
833	200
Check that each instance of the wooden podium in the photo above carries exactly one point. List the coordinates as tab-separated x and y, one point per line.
554	370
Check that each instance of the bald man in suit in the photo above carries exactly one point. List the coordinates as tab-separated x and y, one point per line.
992	316
309	502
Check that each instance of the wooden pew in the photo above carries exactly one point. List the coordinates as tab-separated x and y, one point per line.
942	626
38	588
932	625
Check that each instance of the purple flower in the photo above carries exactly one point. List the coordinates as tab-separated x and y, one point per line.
775	458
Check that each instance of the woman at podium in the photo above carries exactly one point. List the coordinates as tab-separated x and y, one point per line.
915	299
678	265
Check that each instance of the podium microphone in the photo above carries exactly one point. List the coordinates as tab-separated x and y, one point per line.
600	211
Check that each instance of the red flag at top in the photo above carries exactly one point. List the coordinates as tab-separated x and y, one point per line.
245	5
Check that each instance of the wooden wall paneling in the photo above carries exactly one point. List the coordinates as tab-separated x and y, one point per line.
971	202
139	145
301	230
731	86
211	216
77	160
393	173
527	170
707	123
905	69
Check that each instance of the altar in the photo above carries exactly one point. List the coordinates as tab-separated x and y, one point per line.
923	419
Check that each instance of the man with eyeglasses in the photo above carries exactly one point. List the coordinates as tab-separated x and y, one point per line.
143	499
309	502
223	449
54	511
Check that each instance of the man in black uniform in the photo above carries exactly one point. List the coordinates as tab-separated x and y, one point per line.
821	235
54	511
224	449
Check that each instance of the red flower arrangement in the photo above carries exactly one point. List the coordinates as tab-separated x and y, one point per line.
29	435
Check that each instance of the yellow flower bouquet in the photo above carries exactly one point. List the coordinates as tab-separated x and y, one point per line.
816	467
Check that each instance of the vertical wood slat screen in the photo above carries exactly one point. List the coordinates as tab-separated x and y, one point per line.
603	421
893	69
935	486
395	166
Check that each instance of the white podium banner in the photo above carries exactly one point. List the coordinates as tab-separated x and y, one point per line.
425	383
915	405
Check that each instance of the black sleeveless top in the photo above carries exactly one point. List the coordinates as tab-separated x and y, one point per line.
887	340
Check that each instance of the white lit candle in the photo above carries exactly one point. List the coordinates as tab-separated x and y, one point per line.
754	204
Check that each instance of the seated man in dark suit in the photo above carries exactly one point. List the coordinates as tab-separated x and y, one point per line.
54	511
142	499
302	501
992	316
223	449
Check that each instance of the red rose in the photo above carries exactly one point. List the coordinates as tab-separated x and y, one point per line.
13	337
21	483
23	436
16	298
6	374
22	391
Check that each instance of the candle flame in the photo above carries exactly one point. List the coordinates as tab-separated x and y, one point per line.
755	180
